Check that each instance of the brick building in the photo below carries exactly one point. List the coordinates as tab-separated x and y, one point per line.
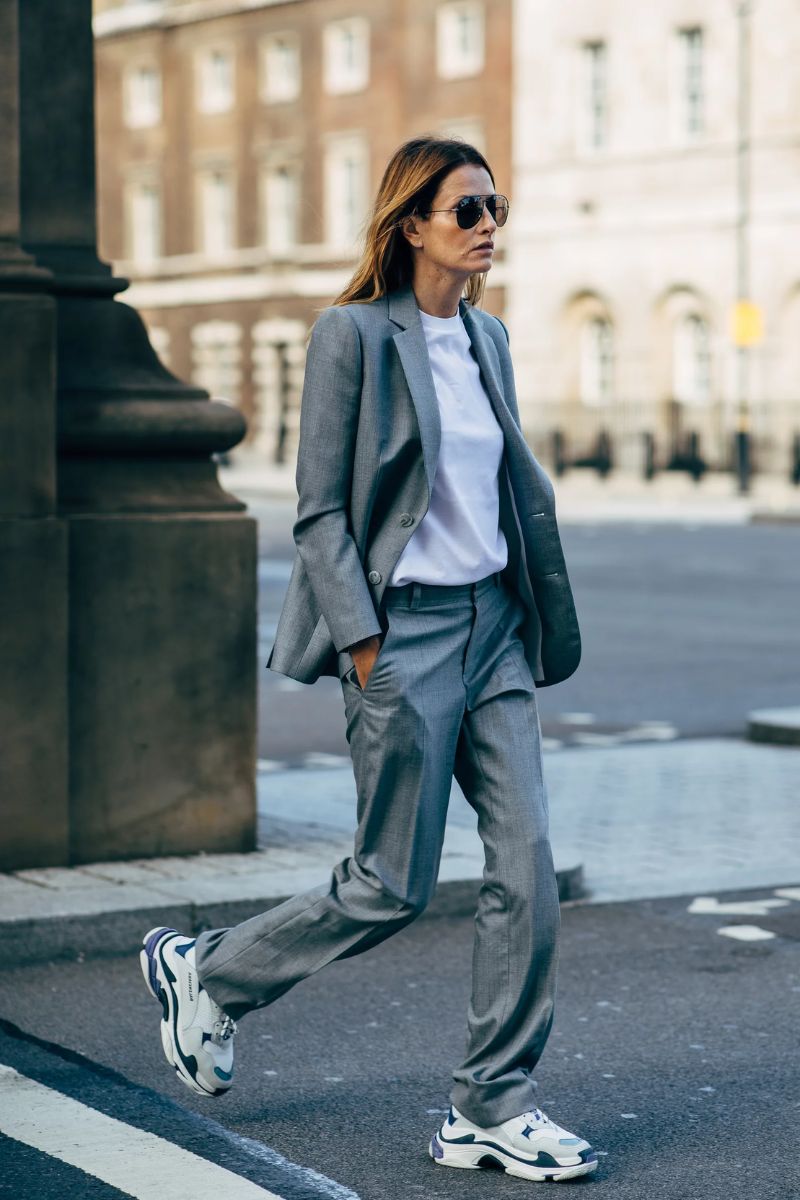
239	145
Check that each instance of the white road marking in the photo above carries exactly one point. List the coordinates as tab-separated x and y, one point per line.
646	731
320	760
596	739
740	908
140	1164
791	893
290	685
577	718
745	933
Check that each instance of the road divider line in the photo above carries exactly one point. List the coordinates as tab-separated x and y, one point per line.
139	1164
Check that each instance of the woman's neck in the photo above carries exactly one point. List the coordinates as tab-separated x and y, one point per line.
438	297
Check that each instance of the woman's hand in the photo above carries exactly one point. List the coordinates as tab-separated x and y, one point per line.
364	655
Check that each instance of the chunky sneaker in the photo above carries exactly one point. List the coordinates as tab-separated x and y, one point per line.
196	1034
530	1146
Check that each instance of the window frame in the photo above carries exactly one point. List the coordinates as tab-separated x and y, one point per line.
336	81
470	63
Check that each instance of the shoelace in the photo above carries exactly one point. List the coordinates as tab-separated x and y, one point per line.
539	1118
224	1028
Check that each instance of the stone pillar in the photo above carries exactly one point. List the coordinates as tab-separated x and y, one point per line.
161	562
33	541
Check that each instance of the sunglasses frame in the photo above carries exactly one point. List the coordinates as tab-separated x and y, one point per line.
465	202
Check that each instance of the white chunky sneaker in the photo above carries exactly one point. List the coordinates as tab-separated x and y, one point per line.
530	1146
196	1034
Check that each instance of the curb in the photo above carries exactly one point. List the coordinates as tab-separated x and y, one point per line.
778	726
81	936
768	516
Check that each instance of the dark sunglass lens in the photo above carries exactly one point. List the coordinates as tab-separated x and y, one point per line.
498	207
468	212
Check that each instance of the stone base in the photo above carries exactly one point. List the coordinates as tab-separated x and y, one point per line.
780	726
33	693
162	685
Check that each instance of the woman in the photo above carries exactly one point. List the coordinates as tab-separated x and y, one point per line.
440	629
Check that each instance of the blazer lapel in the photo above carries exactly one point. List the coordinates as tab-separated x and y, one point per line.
486	353
413	350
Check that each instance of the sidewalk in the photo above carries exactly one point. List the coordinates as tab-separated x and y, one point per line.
581	495
626	822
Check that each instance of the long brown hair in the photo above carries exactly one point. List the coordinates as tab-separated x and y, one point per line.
409	184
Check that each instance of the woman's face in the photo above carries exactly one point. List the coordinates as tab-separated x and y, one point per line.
438	237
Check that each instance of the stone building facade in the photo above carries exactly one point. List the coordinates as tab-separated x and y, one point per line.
623	268
239	145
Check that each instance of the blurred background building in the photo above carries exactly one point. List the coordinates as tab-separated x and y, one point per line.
657	181
239	145
650	155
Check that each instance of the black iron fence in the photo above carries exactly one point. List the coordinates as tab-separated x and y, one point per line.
647	440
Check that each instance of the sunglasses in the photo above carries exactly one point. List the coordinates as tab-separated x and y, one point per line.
469	210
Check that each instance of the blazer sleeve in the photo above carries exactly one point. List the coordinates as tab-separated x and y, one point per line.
329	412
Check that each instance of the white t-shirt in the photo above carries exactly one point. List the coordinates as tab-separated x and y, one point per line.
459	539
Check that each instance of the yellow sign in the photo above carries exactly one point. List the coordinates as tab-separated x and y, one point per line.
747	323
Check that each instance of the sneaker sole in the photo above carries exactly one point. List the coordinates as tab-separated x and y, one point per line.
473	1157
161	980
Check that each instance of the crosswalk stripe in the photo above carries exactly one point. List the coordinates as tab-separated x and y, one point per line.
139	1164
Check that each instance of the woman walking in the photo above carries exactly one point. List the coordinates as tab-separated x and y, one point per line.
429	577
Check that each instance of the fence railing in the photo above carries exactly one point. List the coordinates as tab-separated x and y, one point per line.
647	439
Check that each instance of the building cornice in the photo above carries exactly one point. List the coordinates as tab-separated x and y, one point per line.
241	287
162	14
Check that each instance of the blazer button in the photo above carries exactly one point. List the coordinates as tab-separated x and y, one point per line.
406	519
375	577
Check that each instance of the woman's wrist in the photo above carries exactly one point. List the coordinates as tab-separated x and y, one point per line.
365	643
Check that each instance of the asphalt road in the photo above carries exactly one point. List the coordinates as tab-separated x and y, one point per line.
674	1051
693	626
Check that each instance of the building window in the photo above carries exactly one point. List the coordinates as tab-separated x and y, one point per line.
217	212
346	55
217	359
279	354
345	190
688	106
691	370
597	361
215	81
593	114
142	93
459	39
280	68
280	193
144	222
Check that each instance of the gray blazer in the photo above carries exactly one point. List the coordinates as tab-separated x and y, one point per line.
369	441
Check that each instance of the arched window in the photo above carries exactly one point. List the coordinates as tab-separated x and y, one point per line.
691	360
597	361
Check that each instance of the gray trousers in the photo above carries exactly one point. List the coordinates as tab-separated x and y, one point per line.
450	693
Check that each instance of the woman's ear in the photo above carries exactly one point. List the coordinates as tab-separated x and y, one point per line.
408	227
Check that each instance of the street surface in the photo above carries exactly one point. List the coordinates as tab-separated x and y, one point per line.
674	1051
675	1044
685	630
